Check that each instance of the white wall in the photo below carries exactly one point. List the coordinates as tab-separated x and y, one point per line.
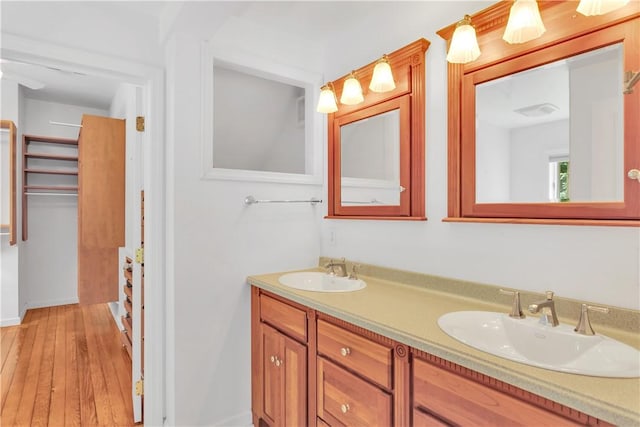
598	264
214	242
493	163
51	251
531	147
12	299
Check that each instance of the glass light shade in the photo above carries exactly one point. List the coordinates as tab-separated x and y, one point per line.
351	91
524	22
464	44
599	7
327	100
382	79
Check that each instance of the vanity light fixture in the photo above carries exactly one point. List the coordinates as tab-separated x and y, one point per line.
524	22
382	79
599	7
327	102
464	44
352	91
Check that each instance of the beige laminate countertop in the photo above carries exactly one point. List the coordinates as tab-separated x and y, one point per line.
409	314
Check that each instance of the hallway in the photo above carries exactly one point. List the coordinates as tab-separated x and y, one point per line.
65	365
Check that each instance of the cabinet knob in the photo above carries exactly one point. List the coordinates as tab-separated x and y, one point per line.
634	174
345	351
279	362
344	408
273	359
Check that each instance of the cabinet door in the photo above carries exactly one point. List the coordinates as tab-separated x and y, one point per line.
284	391
294	369
272	398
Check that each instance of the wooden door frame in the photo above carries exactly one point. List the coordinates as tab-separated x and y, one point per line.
151	79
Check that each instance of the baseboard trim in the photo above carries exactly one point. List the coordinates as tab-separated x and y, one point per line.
12	321
52	303
241	420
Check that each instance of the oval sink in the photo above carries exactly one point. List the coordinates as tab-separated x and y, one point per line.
320	282
527	341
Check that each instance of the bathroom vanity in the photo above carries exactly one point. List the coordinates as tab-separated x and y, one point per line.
376	356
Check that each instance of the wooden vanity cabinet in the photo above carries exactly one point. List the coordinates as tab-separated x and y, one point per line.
280	362
446	394
312	369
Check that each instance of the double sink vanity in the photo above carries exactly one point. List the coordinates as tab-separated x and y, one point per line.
398	348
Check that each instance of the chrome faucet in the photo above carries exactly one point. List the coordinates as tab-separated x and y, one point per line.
548	309
337	268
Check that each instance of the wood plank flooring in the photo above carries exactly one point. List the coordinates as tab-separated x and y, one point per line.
65	366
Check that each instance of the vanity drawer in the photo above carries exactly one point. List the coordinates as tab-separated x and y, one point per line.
288	319
355	352
347	400
459	401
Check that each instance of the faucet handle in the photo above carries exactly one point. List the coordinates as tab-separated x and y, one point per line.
516	309
584	324
354	274
549	295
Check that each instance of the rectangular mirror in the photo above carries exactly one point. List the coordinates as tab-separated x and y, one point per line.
370	167
553	133
546	132
376	147
8	180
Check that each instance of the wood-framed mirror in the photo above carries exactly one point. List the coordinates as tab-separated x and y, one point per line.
376	148
8	180
541	132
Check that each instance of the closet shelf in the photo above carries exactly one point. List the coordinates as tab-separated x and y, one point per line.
51	156
48	167
52	171
51	187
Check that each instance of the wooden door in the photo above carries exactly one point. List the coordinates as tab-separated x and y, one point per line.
101	198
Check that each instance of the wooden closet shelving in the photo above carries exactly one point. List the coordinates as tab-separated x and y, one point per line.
53	162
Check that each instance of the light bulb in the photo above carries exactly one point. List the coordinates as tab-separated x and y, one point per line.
524	22
382	79
351	91
327	100
599	7
464	44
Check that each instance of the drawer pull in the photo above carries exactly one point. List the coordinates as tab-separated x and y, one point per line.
344	408
345	351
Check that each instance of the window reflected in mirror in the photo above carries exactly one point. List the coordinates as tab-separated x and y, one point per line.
258	121
370	154
553	133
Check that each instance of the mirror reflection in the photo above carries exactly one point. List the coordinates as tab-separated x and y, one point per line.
370	160
553	133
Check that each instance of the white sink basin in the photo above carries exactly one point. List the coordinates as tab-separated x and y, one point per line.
527	341
320	282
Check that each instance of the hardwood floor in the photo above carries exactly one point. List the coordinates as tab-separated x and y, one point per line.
65	366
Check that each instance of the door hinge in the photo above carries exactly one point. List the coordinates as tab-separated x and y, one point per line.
139	387
140	123
140	255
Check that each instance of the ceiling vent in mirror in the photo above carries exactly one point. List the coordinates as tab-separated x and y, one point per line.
537	110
